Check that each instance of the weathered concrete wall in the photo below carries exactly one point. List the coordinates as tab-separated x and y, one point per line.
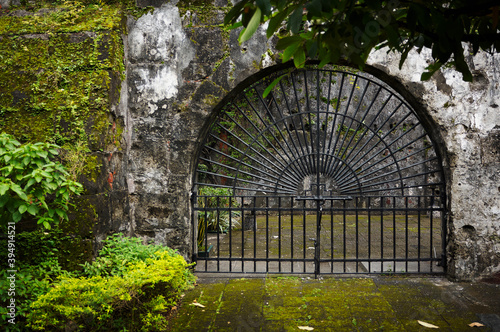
467	116
181	62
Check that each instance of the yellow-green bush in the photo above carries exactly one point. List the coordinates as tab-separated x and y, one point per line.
137	301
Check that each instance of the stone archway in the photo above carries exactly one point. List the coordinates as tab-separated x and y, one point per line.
462	118
346	135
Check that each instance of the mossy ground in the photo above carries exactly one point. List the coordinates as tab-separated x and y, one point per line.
335	304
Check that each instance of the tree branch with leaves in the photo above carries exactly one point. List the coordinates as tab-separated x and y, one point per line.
330	31
33	183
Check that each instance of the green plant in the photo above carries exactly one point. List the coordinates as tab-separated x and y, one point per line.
30	283
37	268
118	253
137	297
31	181
148	277
221	217
331	31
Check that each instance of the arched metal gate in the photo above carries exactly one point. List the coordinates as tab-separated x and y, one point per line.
318	171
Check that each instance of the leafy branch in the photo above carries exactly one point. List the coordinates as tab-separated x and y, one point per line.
330	31
32	183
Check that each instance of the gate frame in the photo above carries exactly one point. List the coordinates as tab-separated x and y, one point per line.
423	115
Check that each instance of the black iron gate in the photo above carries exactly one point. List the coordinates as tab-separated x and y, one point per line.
318	171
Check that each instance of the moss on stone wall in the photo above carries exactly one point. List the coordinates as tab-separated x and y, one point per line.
61	67
202	13
56	69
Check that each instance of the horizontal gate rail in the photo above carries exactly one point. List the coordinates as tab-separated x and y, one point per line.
276	234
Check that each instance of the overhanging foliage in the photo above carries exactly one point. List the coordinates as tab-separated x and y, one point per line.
333	30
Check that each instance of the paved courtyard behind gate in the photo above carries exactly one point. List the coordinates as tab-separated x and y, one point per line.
348	244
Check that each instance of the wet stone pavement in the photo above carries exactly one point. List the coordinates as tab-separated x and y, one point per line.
382	303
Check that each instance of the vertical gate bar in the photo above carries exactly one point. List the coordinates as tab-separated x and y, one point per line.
345	229
431	222
255	241
205	235
304	243
406	232
394	230
317	244
291	233
382	234
279	234
218	233
267	234
332	234
357	233
419	232
242	215
243	239
369	237
230	261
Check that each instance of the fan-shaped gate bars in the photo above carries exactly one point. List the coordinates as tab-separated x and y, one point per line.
330	171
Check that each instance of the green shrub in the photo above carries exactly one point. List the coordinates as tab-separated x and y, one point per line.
32	183
215	220
137	301
130	286
36	247
118	252
31	282
40	261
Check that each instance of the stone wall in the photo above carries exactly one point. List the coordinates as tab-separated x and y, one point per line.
60	77
180	62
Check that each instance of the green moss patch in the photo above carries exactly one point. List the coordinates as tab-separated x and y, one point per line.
59	69
331	304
